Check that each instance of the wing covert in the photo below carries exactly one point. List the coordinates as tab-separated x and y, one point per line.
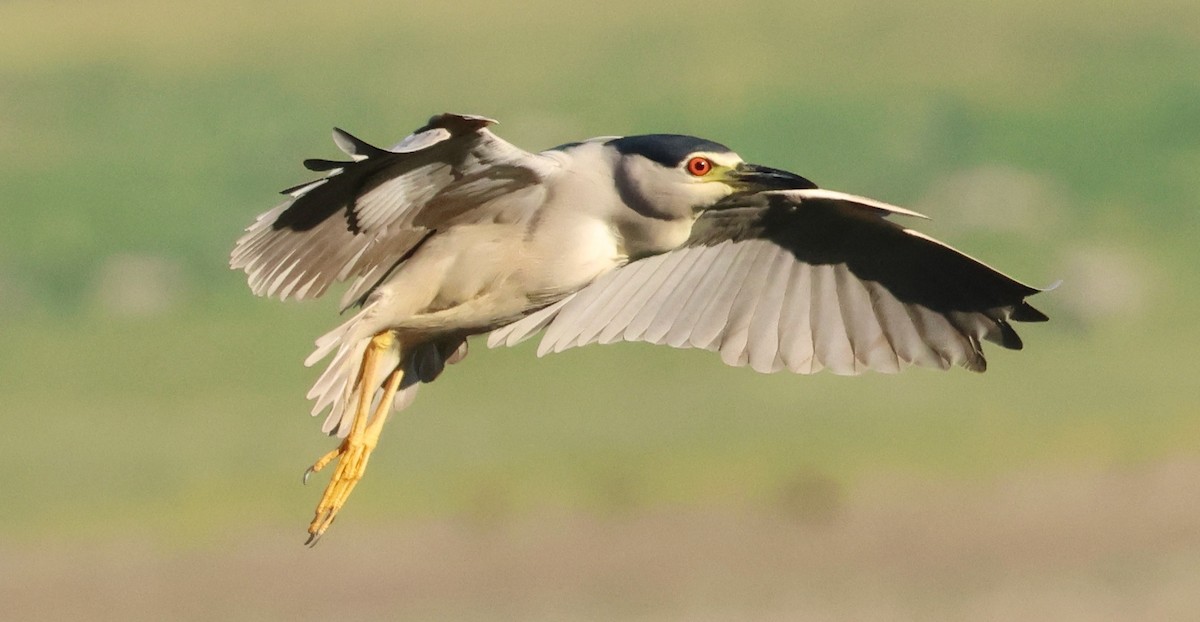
368	214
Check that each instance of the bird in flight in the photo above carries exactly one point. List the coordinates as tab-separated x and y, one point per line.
661	238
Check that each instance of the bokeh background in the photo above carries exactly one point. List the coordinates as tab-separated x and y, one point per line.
154	423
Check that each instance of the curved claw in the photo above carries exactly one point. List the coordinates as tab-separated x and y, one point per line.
313	539
323	461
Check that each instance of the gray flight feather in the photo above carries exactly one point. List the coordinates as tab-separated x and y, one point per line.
804	280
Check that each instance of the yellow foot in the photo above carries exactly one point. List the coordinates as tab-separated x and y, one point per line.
352	457
354	452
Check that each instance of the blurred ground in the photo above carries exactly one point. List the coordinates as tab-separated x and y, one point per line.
1116	545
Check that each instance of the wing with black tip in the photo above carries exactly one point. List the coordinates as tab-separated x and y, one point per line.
803	280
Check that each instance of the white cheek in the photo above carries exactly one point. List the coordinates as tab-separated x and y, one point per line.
714	191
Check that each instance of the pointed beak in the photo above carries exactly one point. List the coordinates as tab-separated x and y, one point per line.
755	178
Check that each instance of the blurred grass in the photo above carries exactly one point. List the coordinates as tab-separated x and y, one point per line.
161	129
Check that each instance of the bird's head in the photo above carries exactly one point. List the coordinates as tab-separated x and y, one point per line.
673	176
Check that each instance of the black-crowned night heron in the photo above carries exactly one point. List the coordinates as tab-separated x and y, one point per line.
662	238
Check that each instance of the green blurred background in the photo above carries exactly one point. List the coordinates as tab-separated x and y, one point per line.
155	423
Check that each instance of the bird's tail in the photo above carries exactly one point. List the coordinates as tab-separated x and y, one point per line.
337	388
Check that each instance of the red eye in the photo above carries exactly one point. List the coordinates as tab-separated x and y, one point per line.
699	166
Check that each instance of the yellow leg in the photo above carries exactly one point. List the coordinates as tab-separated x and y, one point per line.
354	452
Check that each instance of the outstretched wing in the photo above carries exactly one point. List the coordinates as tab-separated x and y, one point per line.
800	279
367	215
